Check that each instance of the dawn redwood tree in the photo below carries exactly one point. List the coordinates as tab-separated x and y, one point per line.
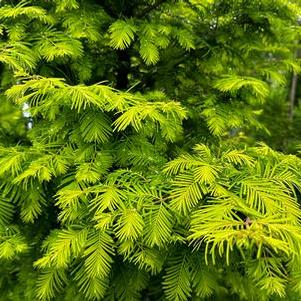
126	170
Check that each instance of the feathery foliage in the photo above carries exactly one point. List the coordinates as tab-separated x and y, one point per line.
129	168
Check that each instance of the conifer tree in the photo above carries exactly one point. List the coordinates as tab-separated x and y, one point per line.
126	169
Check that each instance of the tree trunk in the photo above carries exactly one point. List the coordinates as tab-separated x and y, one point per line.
292	98
123	70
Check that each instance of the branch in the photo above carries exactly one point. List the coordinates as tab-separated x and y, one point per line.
149	9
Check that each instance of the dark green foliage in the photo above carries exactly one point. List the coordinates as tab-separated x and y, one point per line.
130	166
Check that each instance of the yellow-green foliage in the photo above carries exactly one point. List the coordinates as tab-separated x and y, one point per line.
125	168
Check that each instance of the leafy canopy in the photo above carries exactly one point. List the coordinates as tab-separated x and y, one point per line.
128	168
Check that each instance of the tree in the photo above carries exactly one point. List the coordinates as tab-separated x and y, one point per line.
128	173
